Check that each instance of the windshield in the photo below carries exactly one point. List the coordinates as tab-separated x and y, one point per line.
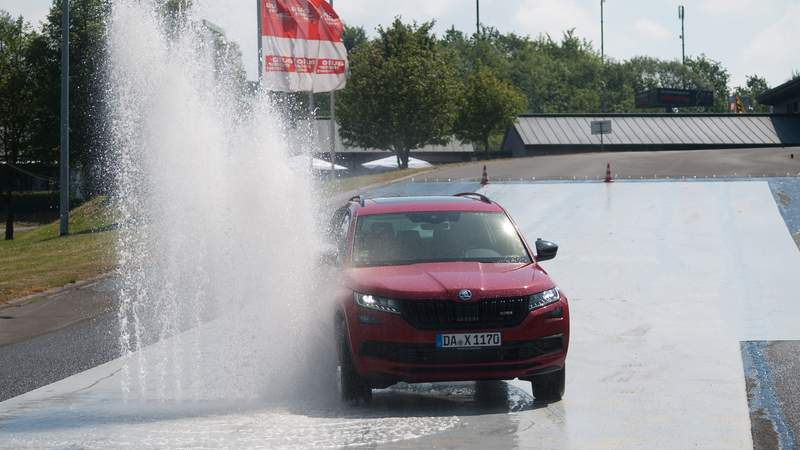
409	238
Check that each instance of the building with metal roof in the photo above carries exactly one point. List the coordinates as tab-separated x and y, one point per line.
557	133
784	98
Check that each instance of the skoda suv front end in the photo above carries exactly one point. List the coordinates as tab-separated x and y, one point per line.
444	289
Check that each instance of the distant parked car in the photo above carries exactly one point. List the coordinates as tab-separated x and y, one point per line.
443	289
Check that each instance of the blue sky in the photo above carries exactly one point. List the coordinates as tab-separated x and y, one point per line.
747	36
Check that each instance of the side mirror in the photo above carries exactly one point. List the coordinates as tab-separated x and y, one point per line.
329	256
545	250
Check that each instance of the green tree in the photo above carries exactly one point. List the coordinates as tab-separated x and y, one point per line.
644	72
45	86
87	105
353	37
711	75
485	49
17	109
620	94
568	75
557	77
402	93
753	87
490	106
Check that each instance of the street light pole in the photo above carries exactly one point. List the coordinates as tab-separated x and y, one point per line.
602	47
477	17
683	36
602	61
64	150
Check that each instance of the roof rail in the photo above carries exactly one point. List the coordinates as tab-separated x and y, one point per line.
358	198
481	197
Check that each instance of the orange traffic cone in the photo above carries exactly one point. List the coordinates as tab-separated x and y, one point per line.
484	177
608	178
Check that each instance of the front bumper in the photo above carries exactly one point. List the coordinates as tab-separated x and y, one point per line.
387	349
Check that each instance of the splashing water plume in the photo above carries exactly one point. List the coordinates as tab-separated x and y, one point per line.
217	233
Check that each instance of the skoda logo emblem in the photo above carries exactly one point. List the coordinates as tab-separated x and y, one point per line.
465	294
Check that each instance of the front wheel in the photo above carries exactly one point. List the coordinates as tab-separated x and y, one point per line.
549	387
352	387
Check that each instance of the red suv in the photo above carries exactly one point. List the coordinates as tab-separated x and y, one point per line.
444	288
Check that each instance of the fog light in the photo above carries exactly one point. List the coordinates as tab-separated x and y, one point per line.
368	320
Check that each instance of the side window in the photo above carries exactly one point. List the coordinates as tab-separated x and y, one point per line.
341	232
341	236
334	225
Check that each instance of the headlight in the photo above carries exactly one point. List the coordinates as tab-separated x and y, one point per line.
543	298
377	303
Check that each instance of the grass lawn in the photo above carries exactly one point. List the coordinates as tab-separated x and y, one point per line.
38	259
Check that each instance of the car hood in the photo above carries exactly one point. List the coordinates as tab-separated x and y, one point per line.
445	280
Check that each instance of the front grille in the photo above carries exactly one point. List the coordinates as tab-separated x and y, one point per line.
429	354
445	314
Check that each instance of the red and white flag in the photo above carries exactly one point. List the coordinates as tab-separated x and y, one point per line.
302	46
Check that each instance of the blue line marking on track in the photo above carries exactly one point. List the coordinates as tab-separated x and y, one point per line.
764	396
787	196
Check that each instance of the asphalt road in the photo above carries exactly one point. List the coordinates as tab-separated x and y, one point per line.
51	336
45	359
634	165
43	313
655	360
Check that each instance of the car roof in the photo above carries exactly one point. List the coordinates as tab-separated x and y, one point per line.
389	205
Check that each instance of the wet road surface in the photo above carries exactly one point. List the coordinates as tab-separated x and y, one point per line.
661	278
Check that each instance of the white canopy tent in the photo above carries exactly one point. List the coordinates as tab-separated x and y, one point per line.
301	162
390	162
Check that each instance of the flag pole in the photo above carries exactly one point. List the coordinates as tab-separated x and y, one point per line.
260	44
312	119
64	147
333	126
333	132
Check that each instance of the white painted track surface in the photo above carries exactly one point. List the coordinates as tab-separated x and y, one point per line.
664	281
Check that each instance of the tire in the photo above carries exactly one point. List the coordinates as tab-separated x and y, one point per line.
549	387
353	388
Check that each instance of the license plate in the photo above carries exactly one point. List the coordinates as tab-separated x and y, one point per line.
467	340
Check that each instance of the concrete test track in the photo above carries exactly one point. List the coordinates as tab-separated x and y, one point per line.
665	281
